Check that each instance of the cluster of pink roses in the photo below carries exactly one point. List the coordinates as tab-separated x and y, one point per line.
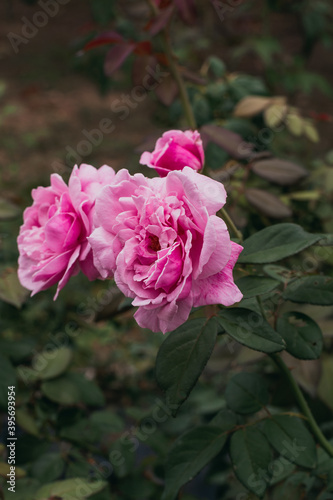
159	238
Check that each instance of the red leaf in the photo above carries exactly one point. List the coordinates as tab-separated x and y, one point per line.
103	39
163	4
116	56
187	10
321	117
267	203
231	142
285	173
143	48
160	21
162	58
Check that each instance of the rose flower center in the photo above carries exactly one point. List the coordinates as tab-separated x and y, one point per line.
154	243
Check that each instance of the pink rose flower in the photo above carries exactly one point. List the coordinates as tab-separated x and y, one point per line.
53	241
174	151
165	246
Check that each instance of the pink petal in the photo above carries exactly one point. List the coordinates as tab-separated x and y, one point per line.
219	288
101	242
216	248
87	266
212	193
71	270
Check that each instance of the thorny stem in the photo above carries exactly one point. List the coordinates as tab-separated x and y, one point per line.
175	71
301	401
303	404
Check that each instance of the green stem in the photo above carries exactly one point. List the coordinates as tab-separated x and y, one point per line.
180	82
187	106
230	224
303	404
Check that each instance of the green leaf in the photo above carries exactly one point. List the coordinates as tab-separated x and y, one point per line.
75	431
250	286
215	156
224	419
69	489
281	469
294	123
250	329
190	453
246	393
11	290
325	385
17	350
27	422
107	421
317	290
53	363
5	470
301	334
25	489
310	131
325	468
99	425
7	378
71	389
48	467
182	357
290	437
122	457
202	110
138	488
29	448
276	243
251	457
217	66
48	364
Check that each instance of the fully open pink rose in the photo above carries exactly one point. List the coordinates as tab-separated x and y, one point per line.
174	151
53	241
165	246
